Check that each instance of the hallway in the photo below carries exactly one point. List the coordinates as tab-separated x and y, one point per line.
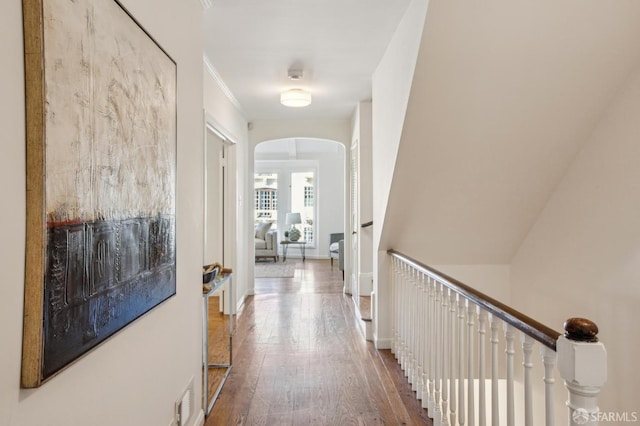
300	359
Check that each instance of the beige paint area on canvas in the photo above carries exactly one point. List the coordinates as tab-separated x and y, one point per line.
111	136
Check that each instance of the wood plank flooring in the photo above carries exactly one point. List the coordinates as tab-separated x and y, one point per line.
299	359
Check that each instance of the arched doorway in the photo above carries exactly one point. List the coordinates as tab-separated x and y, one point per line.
306	176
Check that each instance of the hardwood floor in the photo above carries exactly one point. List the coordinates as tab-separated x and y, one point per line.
300	359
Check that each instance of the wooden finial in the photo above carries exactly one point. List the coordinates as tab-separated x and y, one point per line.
581	330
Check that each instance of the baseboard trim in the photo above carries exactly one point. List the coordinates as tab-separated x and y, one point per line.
382	343
298	256
365	283
200	419
240	303
365	324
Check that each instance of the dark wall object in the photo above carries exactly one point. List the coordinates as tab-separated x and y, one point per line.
100	277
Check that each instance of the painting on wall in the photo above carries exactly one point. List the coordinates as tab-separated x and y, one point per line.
101	174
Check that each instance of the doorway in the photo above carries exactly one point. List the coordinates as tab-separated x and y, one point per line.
304	176
215	200
219	248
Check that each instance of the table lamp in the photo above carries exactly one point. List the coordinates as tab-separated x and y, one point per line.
293	219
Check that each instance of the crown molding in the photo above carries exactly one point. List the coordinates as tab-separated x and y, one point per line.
221	84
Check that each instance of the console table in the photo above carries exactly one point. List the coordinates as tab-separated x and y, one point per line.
226	278
300	243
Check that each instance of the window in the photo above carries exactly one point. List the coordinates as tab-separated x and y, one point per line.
282	190
308	233
302	201
308	196
266	198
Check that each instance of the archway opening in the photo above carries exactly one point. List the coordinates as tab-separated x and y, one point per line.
304	177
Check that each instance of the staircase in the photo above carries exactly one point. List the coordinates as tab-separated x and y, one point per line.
459	347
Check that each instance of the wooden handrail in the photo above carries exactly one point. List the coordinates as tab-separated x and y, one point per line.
527	325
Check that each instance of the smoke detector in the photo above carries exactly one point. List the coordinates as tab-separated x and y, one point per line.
294	74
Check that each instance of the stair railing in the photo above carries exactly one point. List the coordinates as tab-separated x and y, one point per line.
441	328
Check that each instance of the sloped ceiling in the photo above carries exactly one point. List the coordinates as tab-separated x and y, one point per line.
503	96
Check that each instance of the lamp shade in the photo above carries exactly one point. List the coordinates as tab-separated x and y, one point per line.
293	218
295	98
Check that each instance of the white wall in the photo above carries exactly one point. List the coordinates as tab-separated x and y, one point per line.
362	135
221	112
493	121
391	84
582	256
135	377
366	187
329	129
492	280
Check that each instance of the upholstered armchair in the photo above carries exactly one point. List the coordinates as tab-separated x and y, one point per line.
336	250
266	242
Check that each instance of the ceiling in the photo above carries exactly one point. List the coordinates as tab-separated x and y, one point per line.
337	43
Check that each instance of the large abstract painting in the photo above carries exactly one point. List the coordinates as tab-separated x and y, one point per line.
101	173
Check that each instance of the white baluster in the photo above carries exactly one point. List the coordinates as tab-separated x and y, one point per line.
399	313
444	351
452	357
419	334
427	331
394	309
471	311
527	349
482	399
411	330
437	353
406	353
495	406
425	352
403	320
509	337
398	321
408	326
461	352
431	409
549	361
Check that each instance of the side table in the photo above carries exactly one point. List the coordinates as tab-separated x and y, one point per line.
300	243
209	400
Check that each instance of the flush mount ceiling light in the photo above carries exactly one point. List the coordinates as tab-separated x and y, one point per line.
295	98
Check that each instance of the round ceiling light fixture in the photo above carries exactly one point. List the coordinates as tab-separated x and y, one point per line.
295	98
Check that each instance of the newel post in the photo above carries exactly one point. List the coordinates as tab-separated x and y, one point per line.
582	362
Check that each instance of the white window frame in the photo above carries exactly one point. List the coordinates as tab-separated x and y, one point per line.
284	168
